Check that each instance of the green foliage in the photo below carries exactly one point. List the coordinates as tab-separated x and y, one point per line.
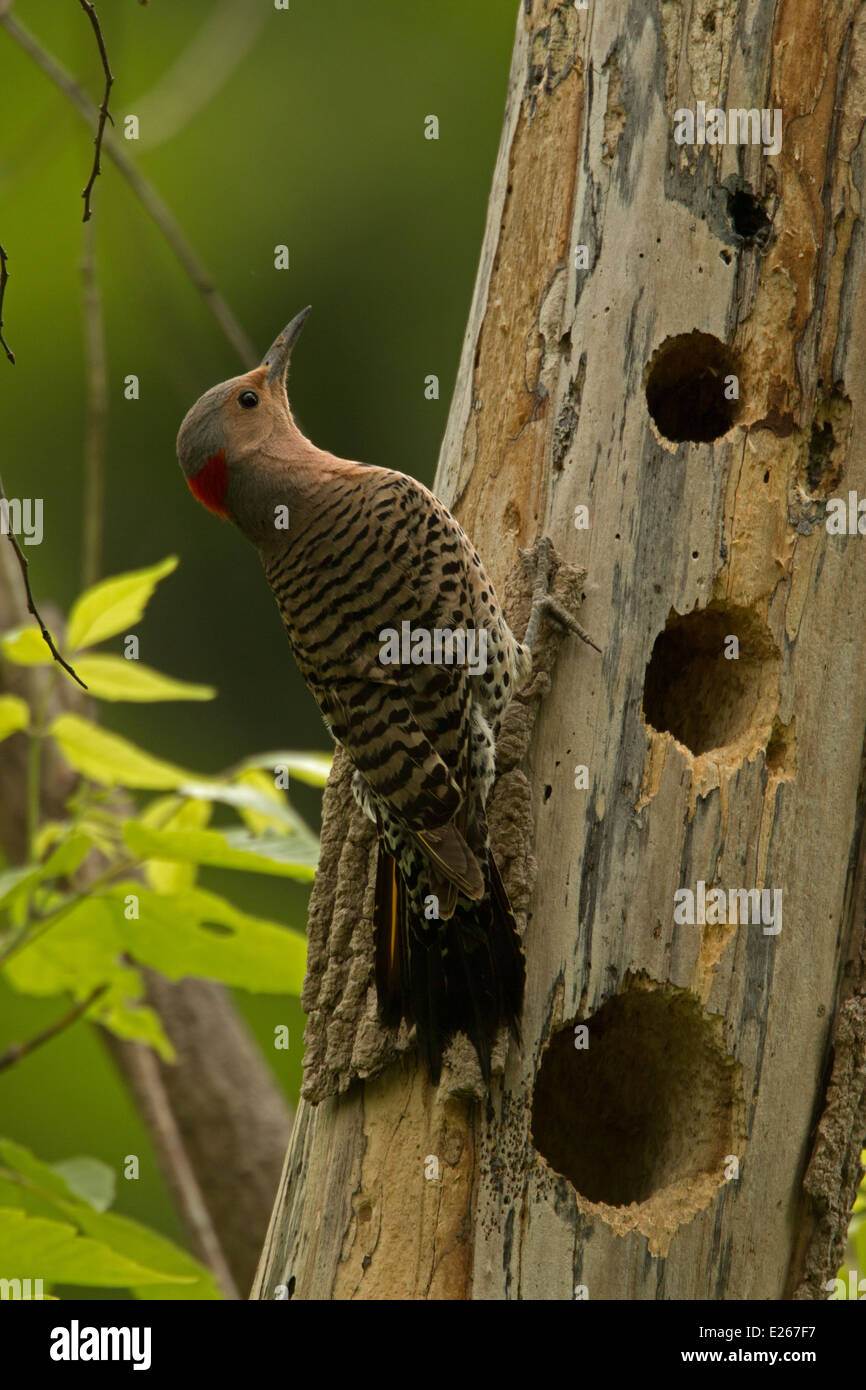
140	904
853	1272
55	1226
14	715
143	908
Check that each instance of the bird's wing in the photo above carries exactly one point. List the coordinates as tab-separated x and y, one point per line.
404	723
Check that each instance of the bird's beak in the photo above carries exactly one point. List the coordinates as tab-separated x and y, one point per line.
277	357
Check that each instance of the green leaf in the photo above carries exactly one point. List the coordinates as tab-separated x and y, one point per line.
38	1174
268	811
110	759
312	768
26	646
76	950
268	805
174	934
114	605
14	715
291	856
115	678
88	1178
58	1253
164	875
136	1023
68	856
32	1188
79	950
16	883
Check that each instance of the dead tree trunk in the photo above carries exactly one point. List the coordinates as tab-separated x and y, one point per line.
668	331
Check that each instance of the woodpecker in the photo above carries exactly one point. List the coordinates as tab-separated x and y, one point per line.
366	567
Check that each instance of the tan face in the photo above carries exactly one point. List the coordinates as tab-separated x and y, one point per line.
252	409
236	420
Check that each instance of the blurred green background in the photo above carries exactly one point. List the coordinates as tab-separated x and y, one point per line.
258	127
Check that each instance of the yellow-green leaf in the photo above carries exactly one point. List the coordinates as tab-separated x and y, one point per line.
64	1255
114	605
312	768
166	875
261	818
203	935
37	1191
26	647
290	856
136	1023
14	715
115	678
109	759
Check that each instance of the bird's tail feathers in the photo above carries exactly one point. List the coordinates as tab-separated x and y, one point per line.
464	974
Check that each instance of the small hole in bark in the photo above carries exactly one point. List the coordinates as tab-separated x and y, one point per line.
782	749
651	1100
290	1287
726	257
688	388
821	442
748	218
821	465
548	792
712	680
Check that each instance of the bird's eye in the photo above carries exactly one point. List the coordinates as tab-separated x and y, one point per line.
248	399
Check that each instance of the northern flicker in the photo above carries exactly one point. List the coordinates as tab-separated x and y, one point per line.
370	567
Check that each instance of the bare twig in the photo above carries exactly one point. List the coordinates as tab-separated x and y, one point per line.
143	190
4	276
104	114
97	416
14	1053
184	1183
31	606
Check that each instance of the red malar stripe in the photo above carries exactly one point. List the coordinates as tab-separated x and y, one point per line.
211	483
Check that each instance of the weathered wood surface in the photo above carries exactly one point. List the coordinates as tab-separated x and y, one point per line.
705	1043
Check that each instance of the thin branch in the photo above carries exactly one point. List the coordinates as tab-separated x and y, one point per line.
18	1050
97	416
104	114
155	1101
4	276
144	191
31	606
200	71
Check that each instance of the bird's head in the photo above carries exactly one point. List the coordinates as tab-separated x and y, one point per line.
235	422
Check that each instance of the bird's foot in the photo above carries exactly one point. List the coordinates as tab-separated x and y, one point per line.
543	602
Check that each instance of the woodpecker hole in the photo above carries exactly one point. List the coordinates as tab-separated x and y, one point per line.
748	218
689	386
708	698
652	1102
